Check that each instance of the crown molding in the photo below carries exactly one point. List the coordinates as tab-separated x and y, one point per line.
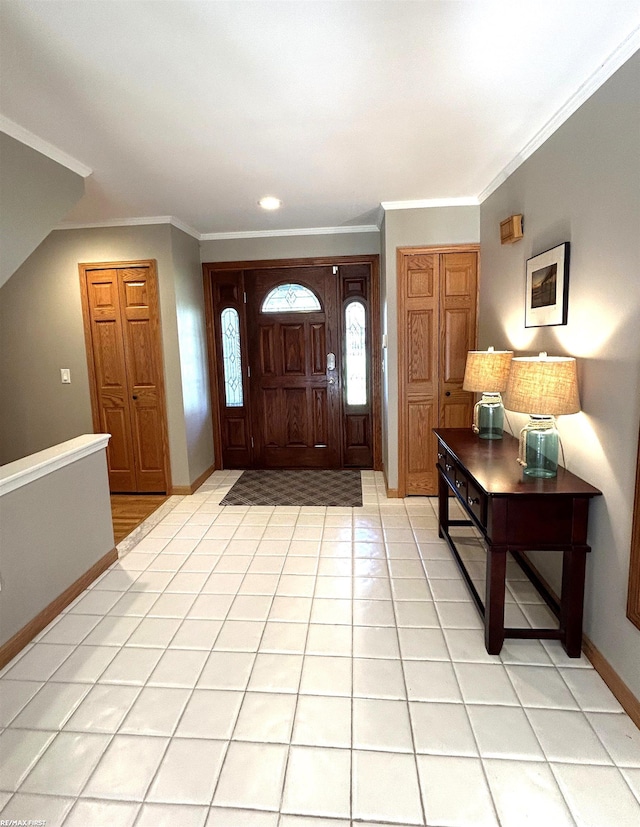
361	228
23	135
130	222
180	225
625	50
427	203
186	228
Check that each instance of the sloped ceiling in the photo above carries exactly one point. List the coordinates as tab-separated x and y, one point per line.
197	109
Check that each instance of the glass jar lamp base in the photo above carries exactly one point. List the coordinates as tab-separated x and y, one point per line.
539	444
488	416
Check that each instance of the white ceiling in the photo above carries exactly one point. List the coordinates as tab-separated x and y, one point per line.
197	109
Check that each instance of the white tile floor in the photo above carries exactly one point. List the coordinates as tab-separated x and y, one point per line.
284	667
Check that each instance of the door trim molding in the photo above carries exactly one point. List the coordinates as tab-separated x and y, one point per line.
88	342
208	268
633	596
212	360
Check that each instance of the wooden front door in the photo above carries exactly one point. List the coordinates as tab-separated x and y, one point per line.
295	367
122	332
297	385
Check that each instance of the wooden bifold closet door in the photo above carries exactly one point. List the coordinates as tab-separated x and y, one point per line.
124	357
437	308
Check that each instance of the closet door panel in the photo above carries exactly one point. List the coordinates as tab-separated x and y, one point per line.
437	296
140	324
108	369
458	300
418	326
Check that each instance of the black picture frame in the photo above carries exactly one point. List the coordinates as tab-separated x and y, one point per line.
547	288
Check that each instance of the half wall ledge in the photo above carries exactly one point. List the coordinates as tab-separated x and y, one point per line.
14	475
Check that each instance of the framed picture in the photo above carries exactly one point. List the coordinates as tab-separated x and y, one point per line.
547	288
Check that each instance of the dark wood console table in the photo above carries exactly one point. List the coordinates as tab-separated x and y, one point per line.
515	514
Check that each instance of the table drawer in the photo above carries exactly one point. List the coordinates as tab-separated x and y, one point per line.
476	502
461	483
447	463
474	499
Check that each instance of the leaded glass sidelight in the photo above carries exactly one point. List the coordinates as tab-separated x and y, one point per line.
355	325
232	361
291	298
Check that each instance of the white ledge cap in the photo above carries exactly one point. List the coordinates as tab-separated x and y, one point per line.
23	471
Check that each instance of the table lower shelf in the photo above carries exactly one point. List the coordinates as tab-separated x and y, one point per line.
509	631
569	631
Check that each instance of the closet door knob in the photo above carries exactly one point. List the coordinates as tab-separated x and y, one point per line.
134	397
448	393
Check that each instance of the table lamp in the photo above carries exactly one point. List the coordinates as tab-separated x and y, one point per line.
486	372
544	387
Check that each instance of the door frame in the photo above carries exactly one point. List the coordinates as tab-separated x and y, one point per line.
208	268
633	597
88	340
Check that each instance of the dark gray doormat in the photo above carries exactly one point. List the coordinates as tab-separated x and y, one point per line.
308	487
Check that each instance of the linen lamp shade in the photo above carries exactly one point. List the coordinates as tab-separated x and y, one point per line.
543	385
487	371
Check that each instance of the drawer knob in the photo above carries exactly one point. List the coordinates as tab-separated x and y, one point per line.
473	500
440	456
460	483
448	467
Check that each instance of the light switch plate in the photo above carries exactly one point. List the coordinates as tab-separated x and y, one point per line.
65	376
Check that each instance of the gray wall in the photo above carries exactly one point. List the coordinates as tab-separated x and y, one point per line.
583	186
41	331
406	228
35	193
37	536
192	336
290	246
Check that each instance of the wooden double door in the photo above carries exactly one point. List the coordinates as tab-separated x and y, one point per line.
437	312
285	374
124	357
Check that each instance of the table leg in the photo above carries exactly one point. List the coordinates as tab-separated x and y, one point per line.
443	505
494	599
572	599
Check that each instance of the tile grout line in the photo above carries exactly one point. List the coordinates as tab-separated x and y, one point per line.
406	692
117	731
297	701
393	599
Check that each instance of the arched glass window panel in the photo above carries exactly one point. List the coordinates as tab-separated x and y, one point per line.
231	358
291	298
355	325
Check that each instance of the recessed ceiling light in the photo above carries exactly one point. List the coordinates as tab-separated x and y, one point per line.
270	203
